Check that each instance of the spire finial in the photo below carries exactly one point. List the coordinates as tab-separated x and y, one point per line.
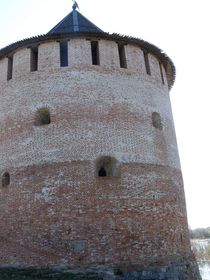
75	5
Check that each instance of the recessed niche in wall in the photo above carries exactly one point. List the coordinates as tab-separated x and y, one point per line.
42	116
156	121
5	179
106	166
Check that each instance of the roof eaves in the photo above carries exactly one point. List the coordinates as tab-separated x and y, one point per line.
167	62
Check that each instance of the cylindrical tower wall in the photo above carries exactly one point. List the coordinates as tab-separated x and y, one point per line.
56	209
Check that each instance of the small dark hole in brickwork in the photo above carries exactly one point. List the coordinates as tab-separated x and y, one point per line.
118	272
5	179
156	121
42	117
102	172
68	231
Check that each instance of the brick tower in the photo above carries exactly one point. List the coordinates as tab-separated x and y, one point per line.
90	173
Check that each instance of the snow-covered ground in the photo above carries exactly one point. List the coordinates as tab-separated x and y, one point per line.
205	270
201	248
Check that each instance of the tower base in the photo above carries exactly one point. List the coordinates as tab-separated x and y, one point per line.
169	268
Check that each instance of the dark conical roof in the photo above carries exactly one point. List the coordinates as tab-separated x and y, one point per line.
74	22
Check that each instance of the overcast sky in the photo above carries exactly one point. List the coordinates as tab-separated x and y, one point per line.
181	29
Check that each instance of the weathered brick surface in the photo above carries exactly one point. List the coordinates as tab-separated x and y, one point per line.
21	63
70	216
3	70
56	211
49	56
109	54
79	53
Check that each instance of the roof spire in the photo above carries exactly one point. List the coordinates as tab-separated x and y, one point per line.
75	5
74	22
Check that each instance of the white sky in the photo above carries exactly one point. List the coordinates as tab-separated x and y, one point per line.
181	29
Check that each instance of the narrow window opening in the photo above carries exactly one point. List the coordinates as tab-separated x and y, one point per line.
146	61
181	237
106	166
95	53
161	73
122	57
156	121
5	179
102	172
34	59
42	117
64	54
10	68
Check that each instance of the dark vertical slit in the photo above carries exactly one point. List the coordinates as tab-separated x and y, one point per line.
10	68
122	57
161	73
64	54
34	59
95	53
146	61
